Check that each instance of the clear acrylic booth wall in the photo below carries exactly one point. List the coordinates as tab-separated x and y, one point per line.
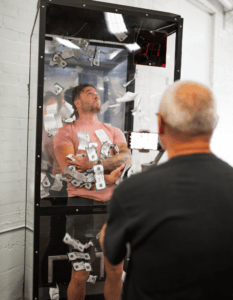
130	55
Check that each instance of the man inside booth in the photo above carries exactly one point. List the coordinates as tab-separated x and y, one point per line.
73	139
178	216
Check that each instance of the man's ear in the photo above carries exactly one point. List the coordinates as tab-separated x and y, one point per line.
77	103
160	124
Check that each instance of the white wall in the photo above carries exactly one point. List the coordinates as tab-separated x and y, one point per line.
223	87
16	18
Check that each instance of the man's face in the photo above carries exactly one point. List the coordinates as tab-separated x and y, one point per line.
89	100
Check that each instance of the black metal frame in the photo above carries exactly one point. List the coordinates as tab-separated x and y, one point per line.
49	211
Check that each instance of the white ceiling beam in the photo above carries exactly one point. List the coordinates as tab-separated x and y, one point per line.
227	4
204	5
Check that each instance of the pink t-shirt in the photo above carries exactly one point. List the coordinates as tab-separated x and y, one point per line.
68	135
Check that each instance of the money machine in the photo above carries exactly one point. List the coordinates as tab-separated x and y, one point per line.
129	55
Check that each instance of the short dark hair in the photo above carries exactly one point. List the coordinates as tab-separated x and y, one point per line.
78	89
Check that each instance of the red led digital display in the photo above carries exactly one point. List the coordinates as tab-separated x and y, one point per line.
153	48
154	51
144	48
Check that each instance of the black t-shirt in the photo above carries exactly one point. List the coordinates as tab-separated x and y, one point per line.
178	219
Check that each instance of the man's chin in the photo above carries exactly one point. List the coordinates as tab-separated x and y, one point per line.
96	109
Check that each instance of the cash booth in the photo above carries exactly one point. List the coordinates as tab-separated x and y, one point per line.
130	55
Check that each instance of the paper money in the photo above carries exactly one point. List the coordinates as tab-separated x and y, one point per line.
92	144
42	177
57	185
79	246
74	243
66	110
58	120
131	171
89	244
105	149
89	52
121	36
51	109
92	279
76	183
43	193
126	168
70	170
117	110
69	120
92	154
88	267
52	63
123	276
102	136
137	105
127	97
67	179
95	60
116	148
81	155
82	43
82	184
90	177
128	83
78	176
78	266
44	165
71	167
54	293
77	255
70	156
100	183
104	107
59	60
84	139
68	53
68	239
58	88
46	183
50	124
88	185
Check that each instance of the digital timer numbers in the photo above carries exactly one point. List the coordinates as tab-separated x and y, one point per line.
151	49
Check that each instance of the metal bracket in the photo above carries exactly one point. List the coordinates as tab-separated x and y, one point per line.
51	259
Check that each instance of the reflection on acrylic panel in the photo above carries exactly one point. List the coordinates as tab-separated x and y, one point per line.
68	242
67	64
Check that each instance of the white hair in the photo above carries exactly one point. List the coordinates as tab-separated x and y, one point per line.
189	107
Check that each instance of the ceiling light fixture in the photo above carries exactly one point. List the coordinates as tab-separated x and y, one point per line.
115	23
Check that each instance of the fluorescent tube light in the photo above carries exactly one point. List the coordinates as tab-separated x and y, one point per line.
67	43
115	23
